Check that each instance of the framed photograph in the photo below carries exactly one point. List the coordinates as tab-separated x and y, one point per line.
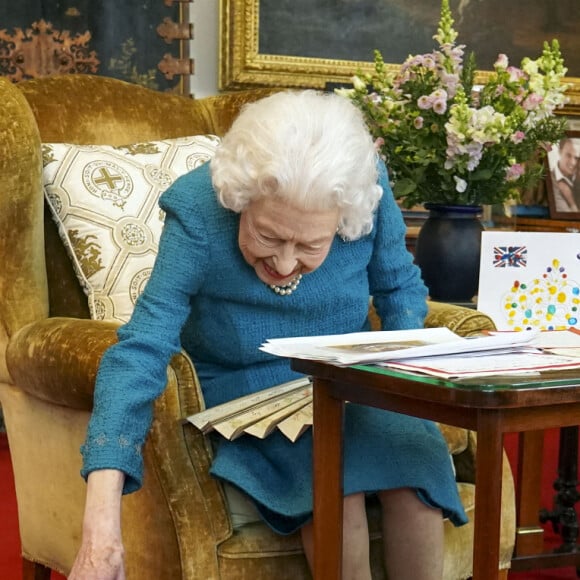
311	43
563	177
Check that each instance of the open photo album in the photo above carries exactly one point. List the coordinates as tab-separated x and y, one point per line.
287	407
436	352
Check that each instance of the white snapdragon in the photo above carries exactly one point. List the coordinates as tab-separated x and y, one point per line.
460	184
358	83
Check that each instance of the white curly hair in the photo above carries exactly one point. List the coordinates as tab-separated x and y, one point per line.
310	148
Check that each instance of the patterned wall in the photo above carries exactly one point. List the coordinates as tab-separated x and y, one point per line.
140	41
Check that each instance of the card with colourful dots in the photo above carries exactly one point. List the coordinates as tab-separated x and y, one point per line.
530	280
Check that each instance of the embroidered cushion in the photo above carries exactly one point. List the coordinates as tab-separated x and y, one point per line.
104	201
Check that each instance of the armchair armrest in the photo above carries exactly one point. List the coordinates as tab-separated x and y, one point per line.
461	320
56	360
44	356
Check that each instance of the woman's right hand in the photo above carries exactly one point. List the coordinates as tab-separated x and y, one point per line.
100	556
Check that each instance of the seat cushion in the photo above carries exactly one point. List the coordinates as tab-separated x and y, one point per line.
104	200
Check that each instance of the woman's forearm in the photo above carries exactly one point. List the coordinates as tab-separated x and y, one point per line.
100	556
103	501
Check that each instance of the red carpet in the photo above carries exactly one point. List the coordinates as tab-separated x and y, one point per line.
548	476
10	563
10	546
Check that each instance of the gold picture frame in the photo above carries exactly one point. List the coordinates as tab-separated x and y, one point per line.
242	65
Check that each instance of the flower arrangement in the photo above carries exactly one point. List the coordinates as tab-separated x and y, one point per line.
448	141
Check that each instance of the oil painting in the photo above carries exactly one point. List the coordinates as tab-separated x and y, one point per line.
314	42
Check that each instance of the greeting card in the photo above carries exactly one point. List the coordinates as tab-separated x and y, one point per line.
530	280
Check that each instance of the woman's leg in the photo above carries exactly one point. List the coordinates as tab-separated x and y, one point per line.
355	544
412	536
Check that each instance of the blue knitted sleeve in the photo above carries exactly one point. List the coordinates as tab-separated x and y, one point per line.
133	372
395	282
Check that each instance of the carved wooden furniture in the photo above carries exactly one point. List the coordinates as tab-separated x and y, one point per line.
489	406
530	552
521	224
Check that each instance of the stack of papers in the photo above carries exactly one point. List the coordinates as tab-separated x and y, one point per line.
439	351
433	351
459	366
375	347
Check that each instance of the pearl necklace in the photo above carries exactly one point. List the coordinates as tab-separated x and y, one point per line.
287	289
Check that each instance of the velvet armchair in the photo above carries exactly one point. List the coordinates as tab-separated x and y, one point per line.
178	524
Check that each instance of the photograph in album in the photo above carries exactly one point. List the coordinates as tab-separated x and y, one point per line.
436	352
380	347
287	407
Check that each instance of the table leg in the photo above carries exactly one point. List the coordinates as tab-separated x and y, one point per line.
328	487
488	479
529	533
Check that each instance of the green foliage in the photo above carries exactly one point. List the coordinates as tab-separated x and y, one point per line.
447	140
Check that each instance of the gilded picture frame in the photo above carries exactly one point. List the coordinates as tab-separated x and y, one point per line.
244	63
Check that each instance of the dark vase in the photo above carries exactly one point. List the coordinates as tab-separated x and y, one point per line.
448	251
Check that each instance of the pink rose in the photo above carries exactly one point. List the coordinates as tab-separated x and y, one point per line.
514	172
424	102
532	101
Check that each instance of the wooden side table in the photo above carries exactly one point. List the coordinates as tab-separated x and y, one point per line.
529	532
490	406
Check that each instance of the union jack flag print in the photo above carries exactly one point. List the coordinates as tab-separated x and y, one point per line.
510	256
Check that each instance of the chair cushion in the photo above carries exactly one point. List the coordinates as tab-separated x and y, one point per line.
104	201
456	437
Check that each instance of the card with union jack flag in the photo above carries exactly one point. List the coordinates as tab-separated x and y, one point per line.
530	280
510	256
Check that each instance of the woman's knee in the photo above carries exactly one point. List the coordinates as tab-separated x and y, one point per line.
404	500
354	512
354	503
404	494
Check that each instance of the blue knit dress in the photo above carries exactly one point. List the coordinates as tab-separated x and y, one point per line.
203	297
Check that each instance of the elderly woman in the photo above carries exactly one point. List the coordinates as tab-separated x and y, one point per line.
286	232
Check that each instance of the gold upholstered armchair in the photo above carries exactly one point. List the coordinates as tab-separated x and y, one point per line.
177	525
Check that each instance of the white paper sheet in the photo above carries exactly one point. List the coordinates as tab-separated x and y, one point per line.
369	347
451	367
